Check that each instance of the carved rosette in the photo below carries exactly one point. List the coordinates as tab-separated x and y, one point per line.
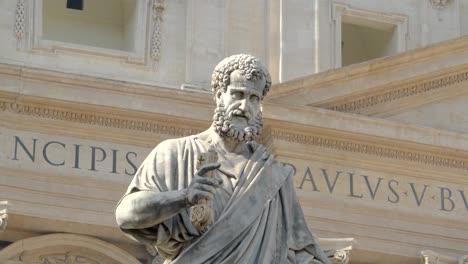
155	48
440	4
20	19
340	256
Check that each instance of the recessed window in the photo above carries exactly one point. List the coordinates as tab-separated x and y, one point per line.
366	40
107	24
75	4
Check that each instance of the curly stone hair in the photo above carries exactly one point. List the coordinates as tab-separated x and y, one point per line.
248	65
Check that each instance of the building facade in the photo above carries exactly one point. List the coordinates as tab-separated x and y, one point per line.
369	106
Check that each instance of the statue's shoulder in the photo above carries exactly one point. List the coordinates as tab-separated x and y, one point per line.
173	145
284	167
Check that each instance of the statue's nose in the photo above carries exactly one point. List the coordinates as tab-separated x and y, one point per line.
243	105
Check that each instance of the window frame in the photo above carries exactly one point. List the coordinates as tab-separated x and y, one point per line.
342	11
37	43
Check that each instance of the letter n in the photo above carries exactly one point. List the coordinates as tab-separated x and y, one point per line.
31	155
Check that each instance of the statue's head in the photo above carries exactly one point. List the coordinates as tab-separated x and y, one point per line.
239	84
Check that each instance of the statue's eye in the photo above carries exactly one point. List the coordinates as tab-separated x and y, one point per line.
237	95
254	98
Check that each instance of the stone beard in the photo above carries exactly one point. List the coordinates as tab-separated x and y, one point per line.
225	128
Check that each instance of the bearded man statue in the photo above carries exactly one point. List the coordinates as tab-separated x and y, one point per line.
255	215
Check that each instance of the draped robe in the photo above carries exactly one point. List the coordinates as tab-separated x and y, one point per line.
257	218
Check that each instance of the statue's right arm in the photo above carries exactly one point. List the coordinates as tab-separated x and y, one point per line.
143	209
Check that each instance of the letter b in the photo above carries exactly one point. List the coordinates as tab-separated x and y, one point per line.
446	195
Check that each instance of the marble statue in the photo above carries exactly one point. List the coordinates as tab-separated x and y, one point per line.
219	197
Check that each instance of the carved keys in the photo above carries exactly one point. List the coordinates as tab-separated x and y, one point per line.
202	215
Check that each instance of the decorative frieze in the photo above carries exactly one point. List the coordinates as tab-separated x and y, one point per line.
397	93
375	150
92	118
96	119
157	11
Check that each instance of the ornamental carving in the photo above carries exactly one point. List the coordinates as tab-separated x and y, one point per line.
375	150
399	93
64	249
67	258
440	4
157	11
95	119
339	257
20	19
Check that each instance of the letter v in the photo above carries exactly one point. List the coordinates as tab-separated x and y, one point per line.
418	199
330	186
372	192
464	199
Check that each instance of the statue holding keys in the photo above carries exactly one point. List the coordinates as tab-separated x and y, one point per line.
219	197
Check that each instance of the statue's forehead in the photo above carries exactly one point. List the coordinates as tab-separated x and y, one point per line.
239	80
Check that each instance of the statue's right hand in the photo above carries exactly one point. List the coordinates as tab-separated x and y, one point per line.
201	186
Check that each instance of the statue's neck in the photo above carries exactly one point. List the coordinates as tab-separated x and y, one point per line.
229	146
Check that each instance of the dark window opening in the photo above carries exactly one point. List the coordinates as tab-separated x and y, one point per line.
75	4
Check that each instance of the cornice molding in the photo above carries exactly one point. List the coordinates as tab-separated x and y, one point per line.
53	77
393	93
94	118
423	158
